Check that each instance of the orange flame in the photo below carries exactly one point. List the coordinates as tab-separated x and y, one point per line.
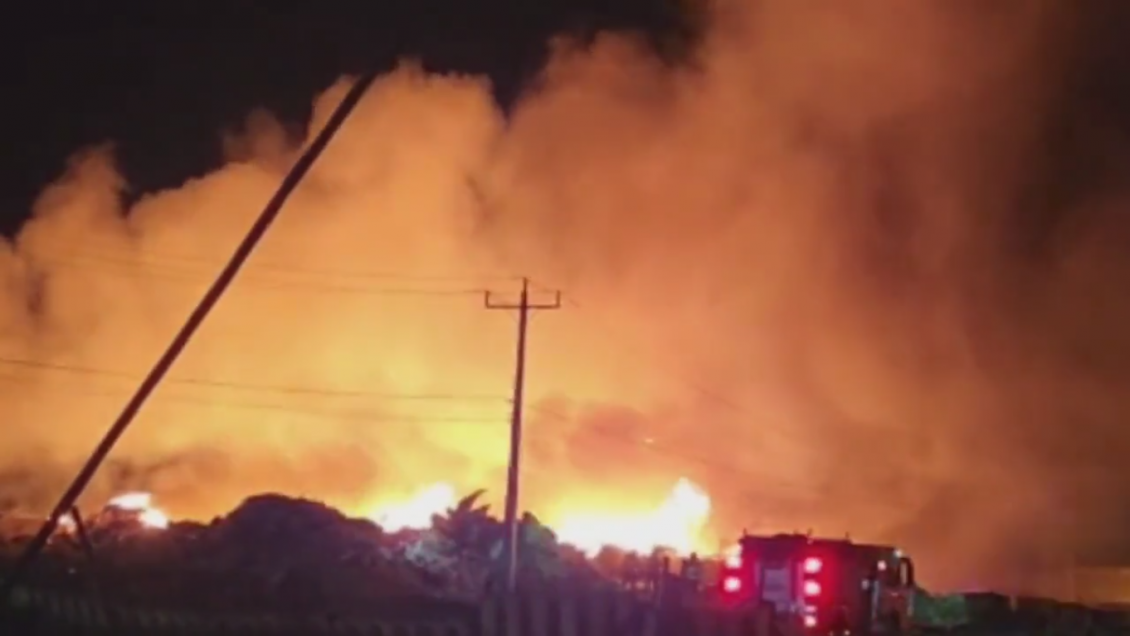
67	523
416	512
141	503
678	523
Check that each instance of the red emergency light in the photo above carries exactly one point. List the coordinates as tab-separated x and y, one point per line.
811	589
813	565
732	584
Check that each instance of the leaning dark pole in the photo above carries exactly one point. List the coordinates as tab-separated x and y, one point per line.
176	347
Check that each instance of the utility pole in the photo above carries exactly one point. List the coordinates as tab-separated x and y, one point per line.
510	539
211	297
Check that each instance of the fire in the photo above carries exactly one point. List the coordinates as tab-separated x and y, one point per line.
677	523
141	503
67	523
416	512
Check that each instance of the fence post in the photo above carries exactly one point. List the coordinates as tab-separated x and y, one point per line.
513	615
539	615
626	616
597	608
567	612
650	626
489	611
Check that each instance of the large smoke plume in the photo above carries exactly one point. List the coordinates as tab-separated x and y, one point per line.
856	268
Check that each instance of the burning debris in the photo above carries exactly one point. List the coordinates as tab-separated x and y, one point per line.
122	513
137	506
274	547
677	523
416	513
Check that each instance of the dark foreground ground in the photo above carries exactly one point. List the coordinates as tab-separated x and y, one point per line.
38	612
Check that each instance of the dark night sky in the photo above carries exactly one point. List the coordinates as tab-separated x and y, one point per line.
163	82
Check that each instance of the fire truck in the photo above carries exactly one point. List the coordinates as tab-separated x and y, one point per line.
821	586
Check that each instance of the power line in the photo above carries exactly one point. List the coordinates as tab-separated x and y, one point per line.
289	390
681	455
192	266
324	412
263	223
267	284
714	463
172	260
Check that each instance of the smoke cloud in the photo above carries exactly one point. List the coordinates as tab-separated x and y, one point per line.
857	268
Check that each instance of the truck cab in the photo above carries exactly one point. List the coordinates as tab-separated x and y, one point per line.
821	586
